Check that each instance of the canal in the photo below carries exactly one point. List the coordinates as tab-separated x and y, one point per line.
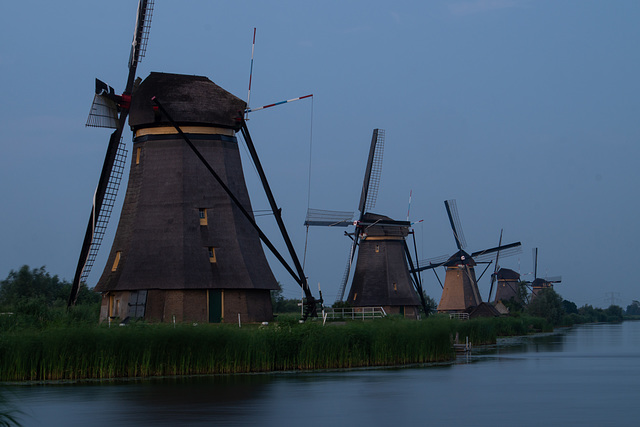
588	375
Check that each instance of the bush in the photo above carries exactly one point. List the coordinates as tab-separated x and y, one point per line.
547	304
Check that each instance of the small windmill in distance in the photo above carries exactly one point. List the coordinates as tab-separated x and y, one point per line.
540	283
460	290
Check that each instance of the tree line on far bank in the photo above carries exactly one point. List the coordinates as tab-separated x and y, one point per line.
32	297
547	304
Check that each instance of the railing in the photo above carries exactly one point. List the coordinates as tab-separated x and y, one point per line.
459	316
354	313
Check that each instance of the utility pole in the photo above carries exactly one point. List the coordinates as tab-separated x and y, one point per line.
612	297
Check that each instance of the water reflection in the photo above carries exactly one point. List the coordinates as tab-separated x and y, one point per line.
581	376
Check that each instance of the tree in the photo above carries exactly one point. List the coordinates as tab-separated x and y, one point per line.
431	303
36	287
547	304
516	304
281	304
614	313
633	309
569	307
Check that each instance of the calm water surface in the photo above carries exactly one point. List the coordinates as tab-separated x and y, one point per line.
586	376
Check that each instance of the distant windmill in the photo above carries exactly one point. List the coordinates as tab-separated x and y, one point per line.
382	273
508	281
540	283
508	285
460	291
187	247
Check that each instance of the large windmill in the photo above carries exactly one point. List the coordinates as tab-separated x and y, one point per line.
460	290
187	247
383	262
540	283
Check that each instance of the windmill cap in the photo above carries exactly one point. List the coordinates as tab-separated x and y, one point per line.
190	100
507	274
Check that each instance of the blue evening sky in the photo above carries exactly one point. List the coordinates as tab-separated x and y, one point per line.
525	112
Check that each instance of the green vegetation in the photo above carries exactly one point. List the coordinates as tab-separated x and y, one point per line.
142	350
549	305
8	413
42	340
281	304
33	299
633	309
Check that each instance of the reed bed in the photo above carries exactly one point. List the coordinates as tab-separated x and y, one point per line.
145	350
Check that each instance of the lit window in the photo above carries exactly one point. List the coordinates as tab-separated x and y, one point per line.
395	287
212	255
116	261
111	305
203	216
355	296
377	248
138	155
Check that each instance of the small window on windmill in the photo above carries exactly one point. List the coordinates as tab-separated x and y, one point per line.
116	261
138	150
355	296
377	248
395	287
111	305
212	255
203	216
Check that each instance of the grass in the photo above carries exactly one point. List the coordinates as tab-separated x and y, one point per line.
144	350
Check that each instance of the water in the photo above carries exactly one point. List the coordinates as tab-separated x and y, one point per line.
584	376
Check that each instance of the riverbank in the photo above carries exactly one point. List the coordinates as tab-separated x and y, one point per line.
145	350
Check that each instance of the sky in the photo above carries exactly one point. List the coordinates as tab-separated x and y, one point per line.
526	112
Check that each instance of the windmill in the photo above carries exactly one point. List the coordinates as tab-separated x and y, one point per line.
540	283
508	285
382	272
187	247
460	290
508	281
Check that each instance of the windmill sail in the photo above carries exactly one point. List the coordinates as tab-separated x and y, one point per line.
495	268
345	275
95	231
321	217
454	221
372	172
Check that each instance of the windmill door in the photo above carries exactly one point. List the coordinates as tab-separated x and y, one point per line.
215	305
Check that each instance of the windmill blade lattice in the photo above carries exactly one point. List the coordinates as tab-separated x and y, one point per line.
103	113
505	252
347	270
373	172
108	202
106	189
328	218
456	224
434	260
141	34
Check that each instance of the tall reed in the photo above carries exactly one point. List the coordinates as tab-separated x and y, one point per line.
143	350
